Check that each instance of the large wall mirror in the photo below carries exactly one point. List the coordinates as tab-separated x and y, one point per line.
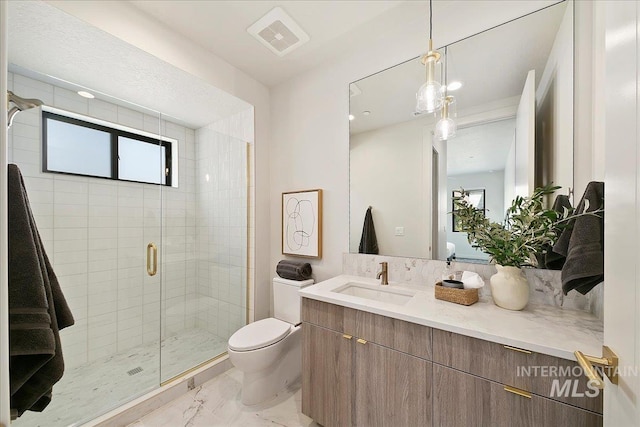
514	133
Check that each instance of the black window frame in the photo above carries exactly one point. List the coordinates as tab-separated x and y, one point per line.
114	135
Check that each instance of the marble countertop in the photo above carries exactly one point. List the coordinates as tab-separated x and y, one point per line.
540	328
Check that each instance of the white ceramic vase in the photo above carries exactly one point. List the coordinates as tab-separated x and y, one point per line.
509	288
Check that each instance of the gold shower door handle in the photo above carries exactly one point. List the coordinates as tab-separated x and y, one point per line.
152	267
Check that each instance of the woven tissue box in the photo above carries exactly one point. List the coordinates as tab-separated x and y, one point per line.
458	296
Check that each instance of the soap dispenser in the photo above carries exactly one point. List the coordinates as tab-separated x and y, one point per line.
448	273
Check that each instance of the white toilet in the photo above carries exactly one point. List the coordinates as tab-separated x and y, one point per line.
269	351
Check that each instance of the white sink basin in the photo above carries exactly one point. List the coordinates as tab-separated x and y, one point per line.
376	293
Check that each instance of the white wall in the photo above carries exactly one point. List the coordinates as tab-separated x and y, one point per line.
310	138
493	184
131	25
387	172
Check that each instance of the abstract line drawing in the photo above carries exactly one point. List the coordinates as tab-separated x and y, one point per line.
301	223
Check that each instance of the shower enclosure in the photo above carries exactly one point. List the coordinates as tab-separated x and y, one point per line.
155	270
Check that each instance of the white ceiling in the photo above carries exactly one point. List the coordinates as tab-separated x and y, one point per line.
492	65
480	148
63	49
335	27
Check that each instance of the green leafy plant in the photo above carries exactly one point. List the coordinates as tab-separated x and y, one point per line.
528	228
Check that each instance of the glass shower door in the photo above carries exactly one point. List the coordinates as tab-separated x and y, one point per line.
95	231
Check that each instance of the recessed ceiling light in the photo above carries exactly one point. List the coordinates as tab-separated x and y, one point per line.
85	94
366	113
454	85
351	117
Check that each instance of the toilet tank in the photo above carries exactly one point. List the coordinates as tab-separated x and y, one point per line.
286	300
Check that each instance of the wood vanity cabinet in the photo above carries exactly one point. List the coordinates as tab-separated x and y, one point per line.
349	379
363	369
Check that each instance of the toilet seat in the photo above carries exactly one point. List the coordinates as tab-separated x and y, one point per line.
259	334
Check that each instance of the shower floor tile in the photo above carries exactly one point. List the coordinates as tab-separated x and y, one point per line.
217	403
89	390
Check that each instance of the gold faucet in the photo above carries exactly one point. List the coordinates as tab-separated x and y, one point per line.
384	273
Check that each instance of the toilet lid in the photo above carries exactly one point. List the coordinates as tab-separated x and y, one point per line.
259	334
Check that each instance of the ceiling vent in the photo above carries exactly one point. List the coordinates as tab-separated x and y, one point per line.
279	32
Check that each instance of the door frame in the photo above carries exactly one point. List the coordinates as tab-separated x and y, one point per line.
5	412
622	219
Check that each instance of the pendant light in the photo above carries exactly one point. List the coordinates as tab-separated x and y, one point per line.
446	126
429	97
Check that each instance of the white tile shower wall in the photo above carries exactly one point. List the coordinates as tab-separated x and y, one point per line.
95	231
221	231
546	287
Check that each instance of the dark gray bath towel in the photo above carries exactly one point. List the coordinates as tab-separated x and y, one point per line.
37	308
554	260
368	241
582	242
294	270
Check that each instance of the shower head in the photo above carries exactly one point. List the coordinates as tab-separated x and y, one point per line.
20	104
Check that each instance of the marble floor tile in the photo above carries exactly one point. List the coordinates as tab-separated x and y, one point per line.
217	403
92	389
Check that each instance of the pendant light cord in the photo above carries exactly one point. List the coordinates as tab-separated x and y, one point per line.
430	19
446	68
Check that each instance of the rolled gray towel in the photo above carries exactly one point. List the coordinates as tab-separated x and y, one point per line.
294	270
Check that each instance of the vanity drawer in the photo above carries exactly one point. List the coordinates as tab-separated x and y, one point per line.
406	337
328	316
461	399
538	373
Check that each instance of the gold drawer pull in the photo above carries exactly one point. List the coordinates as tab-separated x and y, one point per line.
361	341
347	336
508	347
517	391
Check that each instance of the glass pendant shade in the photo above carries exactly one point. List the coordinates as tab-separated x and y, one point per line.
429	96
446	126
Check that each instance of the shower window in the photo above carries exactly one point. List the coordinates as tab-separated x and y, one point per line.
80	147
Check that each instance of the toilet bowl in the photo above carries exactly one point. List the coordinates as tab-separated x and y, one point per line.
269	351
